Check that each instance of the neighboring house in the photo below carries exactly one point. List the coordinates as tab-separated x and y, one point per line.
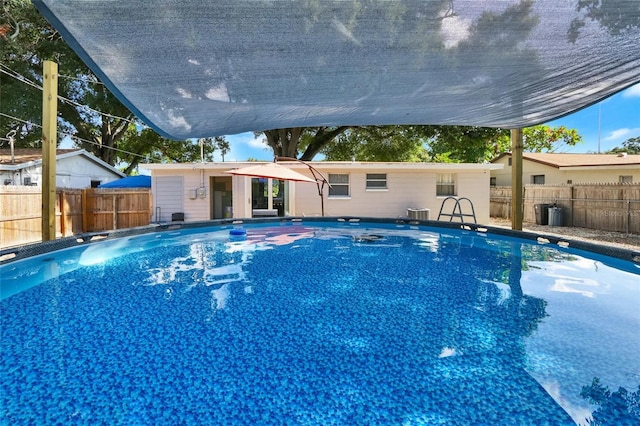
554	169
75	168
202	191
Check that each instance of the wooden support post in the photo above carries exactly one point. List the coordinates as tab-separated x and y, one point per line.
49	142
517	204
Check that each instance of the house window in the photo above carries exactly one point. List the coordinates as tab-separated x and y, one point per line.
509	161
626	179
445	184
537	179
376	181
493	181
339	185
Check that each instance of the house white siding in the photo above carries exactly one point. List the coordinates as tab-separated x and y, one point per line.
168	197
568	174
74	169
408	186
77	172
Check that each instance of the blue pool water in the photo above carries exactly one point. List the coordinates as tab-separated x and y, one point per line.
311	323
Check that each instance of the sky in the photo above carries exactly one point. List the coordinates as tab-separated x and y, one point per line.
619	117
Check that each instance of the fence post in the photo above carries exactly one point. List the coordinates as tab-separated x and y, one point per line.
571	202
63	216
628	221
115	211
85	218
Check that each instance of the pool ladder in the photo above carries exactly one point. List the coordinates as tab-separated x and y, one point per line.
457	209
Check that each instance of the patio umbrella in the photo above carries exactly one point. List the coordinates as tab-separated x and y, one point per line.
273	171
276	171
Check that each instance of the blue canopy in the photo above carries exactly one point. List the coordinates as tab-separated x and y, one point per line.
140	181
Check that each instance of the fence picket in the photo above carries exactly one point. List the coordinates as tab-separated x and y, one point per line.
607	207
76	212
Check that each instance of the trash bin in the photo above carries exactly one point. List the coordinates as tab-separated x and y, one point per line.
556	216
542	213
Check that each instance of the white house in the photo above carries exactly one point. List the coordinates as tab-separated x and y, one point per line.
202	191
75	168
554	169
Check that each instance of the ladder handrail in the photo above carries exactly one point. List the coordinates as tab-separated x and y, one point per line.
459	207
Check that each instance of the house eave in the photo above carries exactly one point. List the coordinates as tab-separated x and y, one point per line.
335	165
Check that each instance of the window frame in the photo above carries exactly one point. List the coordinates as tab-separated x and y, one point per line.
537	177
333	185
453	192
369	178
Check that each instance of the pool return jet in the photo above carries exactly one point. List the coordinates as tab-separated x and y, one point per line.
276	171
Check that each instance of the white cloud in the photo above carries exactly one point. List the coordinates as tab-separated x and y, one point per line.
245	145
622	133
257	142
632	92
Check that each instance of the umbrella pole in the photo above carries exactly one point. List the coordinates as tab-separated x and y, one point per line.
319	181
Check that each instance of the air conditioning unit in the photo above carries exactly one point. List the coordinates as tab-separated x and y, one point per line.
418	214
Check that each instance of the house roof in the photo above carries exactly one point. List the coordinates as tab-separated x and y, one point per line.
578	160
333	165
200	68
28	157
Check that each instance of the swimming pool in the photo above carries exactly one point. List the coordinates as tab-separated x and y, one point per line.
319	323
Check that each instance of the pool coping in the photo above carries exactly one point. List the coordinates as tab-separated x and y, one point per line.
12	254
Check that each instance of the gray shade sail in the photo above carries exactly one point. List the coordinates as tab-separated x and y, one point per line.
203	68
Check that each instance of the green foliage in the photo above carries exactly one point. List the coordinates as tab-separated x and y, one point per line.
630	146
446	144
549	139
93	116
377	143
466	144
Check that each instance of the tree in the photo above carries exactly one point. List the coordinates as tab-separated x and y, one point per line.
95	119
549	139
33	41
442	143
630	146
377	143
223	146
288	142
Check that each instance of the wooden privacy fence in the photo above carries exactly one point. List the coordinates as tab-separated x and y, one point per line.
608	207
77	211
